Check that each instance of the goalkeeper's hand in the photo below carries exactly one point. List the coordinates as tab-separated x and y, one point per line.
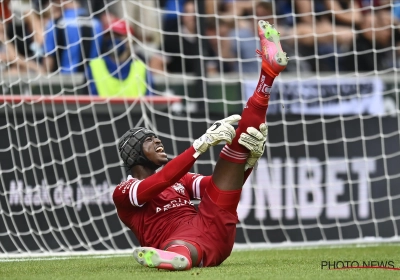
220	131
254	141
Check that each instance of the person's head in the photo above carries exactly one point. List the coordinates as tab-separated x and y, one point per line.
40	5
4	27
217	29
263	11
141	146
116	36
189	18
65	4
58	7
375	27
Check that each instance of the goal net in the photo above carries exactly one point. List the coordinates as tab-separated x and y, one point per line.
331	168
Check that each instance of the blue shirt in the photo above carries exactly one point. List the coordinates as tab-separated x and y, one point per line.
396	9
118	72
173	7
72	55
243	45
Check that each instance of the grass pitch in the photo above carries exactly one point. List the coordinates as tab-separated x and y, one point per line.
256	264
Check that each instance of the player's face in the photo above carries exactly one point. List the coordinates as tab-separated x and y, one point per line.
153	149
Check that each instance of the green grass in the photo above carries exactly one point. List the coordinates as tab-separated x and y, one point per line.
257	264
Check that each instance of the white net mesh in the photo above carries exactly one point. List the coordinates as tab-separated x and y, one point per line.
331	168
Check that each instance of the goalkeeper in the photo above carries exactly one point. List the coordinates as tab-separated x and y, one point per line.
157	206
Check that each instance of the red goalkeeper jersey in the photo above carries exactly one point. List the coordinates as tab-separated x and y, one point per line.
153	221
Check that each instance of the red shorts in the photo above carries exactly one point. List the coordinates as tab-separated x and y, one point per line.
213	229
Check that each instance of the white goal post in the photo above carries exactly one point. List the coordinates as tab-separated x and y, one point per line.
331	170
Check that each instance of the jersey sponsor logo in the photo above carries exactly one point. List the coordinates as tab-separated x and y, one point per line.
179	188
173	204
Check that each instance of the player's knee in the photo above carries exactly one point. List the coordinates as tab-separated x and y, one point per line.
227	200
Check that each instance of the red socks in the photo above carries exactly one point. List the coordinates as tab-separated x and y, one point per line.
254	114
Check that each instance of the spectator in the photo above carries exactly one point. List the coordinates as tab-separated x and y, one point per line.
29	32
171	17
396	10
71	39
217	31
96	8
315	20
183	50
10	61
244	41
5	11
345	13
145	18
118	73
236	8
146	21
318	34
375	42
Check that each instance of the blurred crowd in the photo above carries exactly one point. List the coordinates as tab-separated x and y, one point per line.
113	38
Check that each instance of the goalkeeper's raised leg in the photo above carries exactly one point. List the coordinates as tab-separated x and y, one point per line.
274	61
238	158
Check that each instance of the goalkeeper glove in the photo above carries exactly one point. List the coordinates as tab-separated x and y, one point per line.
220	131
254	141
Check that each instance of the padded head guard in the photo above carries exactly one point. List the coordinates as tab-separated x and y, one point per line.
130	147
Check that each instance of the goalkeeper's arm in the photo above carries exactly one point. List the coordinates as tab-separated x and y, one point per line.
174	170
